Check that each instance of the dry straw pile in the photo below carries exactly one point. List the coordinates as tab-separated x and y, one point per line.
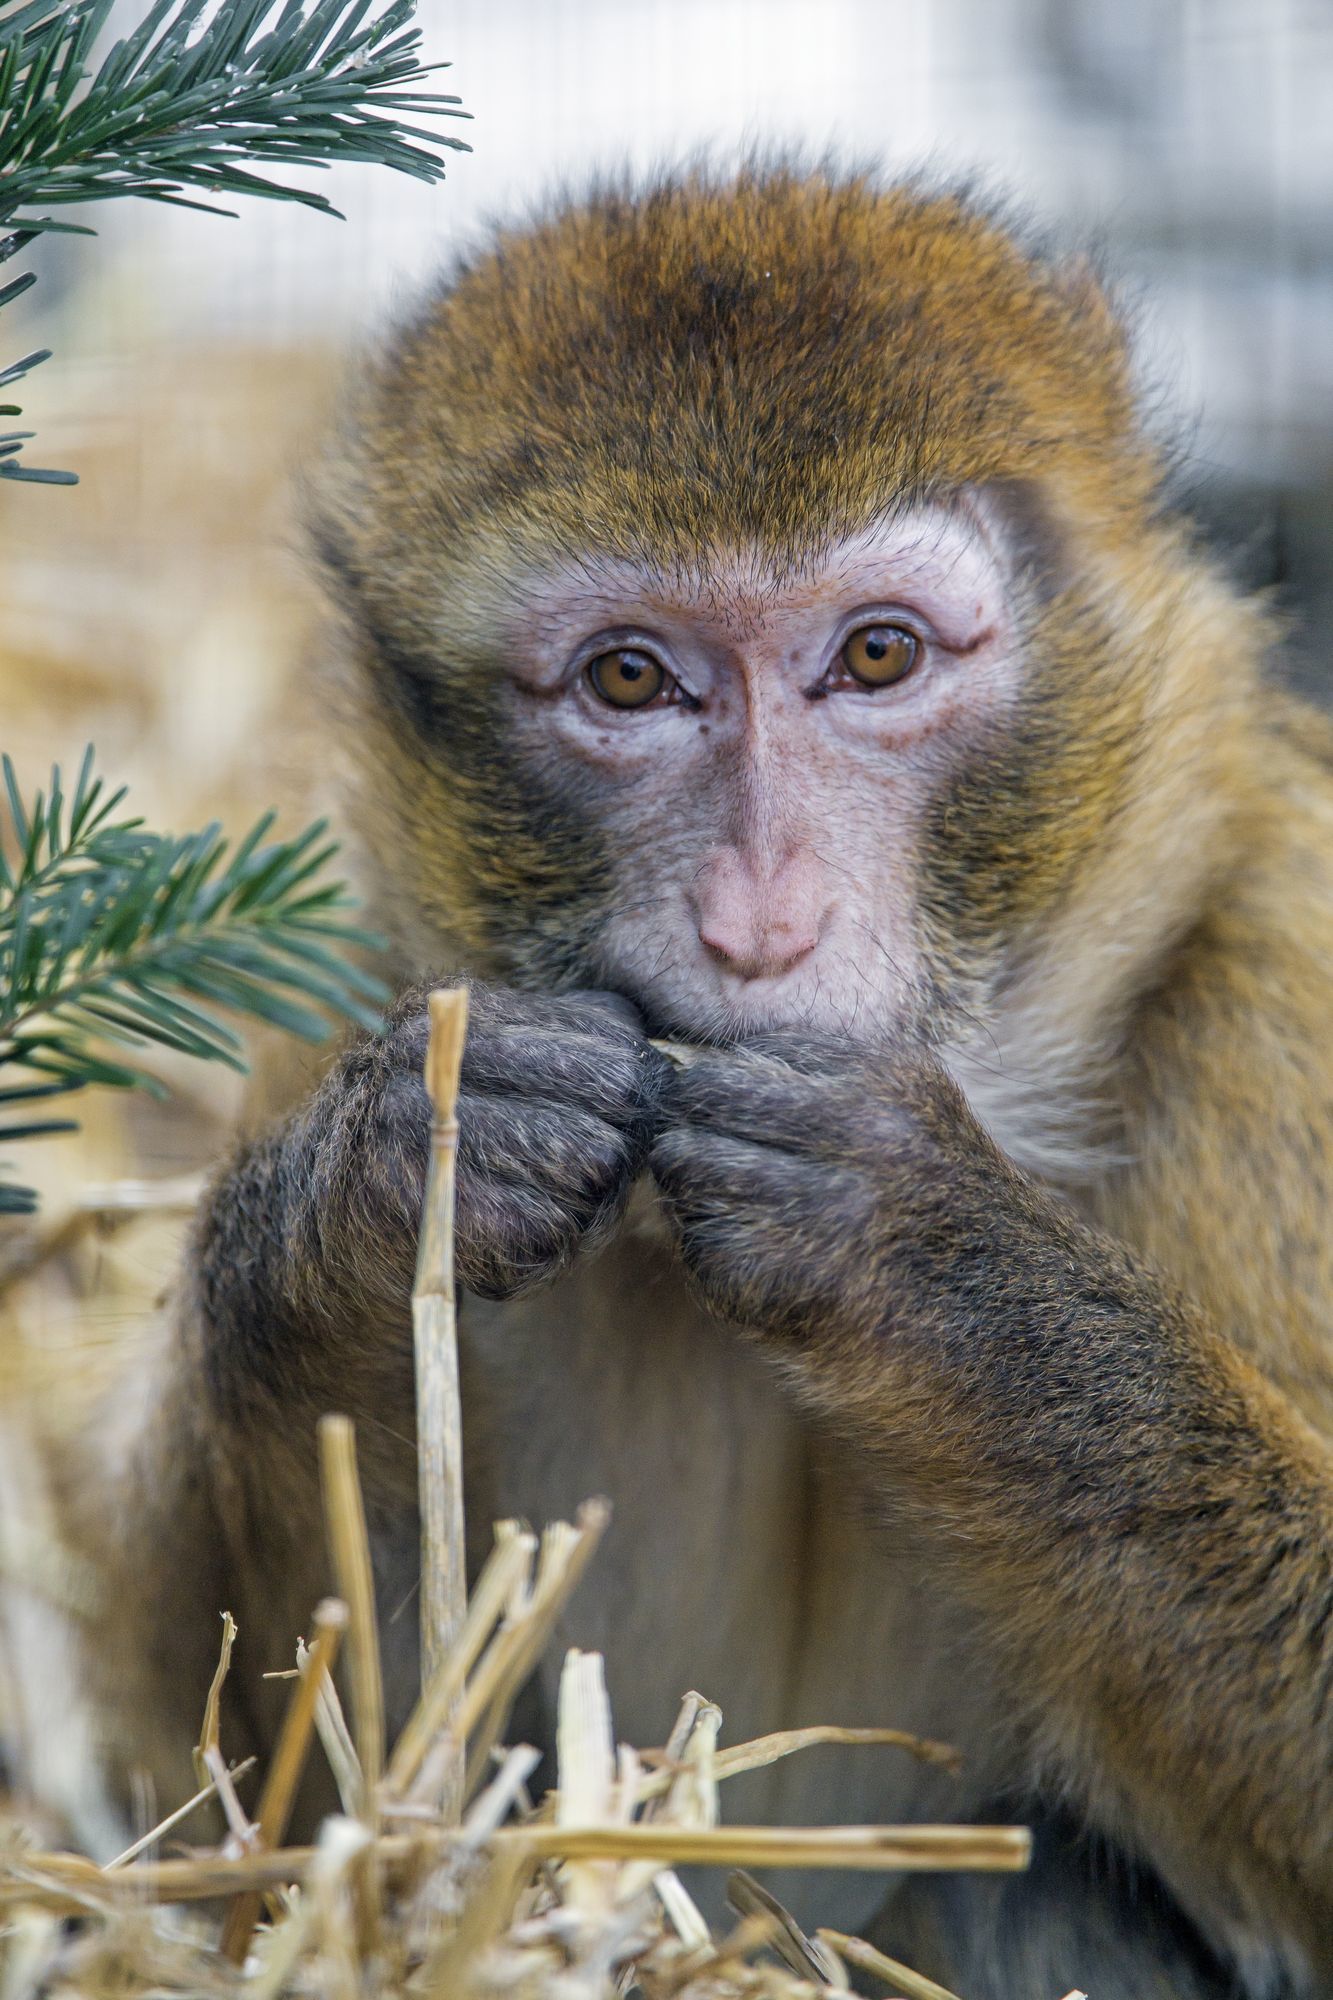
574	1900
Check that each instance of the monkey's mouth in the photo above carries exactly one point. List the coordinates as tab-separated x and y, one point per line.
679	1032
850	987
680	1035
682	1032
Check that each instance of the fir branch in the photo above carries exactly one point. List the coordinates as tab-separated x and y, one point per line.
215	104
110	934
12	442
170	109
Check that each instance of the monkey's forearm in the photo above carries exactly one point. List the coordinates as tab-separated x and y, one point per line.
302	1277
1142	1525
1146	1532
198	1491
299	1303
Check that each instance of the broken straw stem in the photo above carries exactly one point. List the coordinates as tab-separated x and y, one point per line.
435	1336
173	1819
289	1760
682	1054
60	1880
349	1543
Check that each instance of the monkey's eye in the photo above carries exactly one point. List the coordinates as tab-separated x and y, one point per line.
879	655
627	678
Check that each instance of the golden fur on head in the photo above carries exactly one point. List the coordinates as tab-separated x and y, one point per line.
774	359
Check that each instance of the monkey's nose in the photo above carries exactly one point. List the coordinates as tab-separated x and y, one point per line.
757	920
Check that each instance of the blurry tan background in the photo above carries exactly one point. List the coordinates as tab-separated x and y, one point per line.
162	607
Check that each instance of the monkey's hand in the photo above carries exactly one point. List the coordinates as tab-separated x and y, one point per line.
822	1189
557	1105
308	1242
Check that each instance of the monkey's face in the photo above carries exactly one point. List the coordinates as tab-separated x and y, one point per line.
753	755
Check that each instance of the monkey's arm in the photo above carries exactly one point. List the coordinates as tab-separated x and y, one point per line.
200	1490
1142	1524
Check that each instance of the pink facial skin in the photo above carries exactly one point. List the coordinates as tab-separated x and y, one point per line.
764	811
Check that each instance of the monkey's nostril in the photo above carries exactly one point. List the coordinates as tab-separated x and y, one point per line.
756	954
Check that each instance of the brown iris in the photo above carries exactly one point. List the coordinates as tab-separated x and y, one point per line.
627	678
878	655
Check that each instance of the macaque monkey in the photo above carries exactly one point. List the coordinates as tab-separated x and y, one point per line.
762	626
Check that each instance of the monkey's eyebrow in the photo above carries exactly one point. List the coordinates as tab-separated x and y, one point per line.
959	507
738	586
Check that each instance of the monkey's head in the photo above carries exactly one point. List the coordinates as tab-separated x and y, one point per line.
759	605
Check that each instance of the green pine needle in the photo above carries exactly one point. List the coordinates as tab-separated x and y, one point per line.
112	936
212	104
178	105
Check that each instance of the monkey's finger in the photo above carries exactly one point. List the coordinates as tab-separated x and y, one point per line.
697	1167
806	1053
607	1019
510	1237
762	1099
712	1172
768	1240
608	1009
573	1155
513	1234
618	1077
595	1012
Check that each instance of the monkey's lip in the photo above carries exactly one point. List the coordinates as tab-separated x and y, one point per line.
682	1036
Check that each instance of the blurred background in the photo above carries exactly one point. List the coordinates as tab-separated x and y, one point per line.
162	608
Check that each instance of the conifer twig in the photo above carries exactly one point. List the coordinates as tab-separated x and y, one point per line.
189	99
435	1332
203	98
115	937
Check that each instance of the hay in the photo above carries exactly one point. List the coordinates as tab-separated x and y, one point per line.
575	1897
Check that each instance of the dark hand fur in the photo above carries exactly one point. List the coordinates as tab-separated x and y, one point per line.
312	1235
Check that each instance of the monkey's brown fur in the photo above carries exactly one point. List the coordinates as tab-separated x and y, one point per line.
1082	1393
